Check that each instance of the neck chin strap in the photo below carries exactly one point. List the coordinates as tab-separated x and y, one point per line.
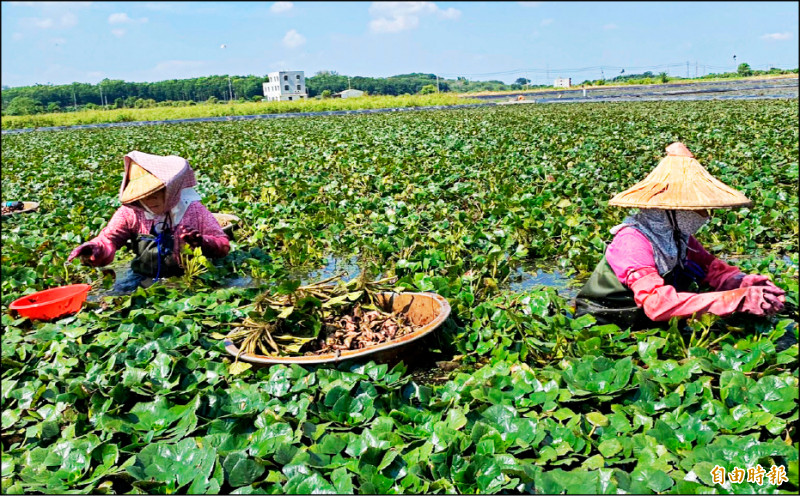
160	243
676	234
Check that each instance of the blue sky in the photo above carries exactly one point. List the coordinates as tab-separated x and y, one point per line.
62	42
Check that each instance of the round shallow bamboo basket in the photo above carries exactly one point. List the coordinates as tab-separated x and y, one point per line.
27	208
227	222
426	309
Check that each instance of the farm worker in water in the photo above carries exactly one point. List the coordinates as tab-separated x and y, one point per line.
650	267
160	213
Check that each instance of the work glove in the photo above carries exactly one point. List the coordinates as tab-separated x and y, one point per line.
759	280
761	300
190	236
89	253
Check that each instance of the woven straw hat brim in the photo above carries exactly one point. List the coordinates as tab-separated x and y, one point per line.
680	183
140	185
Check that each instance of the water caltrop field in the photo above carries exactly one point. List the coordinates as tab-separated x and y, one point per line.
513	394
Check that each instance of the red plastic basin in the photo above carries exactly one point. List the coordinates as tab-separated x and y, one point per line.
52	303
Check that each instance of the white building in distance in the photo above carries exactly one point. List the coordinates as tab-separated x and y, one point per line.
351	93
563	83
284	86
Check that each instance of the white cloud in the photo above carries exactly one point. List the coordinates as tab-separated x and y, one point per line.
546	22
40	23
118	18
450	13
119	33
68	20
51	14
393	17
777	36
610	26
293	39
122	18
279	7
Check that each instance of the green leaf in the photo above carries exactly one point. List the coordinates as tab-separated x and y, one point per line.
597	419
238	367
342	481
594	462
610	447
241	470
176	464
7	465
267	440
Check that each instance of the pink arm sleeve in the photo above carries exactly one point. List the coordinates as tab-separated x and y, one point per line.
719	275
661	302
215	242
629	250
119	230
630	256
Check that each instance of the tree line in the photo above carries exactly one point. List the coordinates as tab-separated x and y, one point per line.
116	93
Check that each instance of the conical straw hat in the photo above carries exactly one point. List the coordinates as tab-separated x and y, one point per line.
140	184
680	183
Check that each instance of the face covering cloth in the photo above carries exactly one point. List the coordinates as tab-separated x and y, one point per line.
657	227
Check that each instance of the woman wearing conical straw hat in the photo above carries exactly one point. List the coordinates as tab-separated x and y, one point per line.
654	260
160	212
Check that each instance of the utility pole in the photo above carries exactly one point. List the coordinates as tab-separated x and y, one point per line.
230	85
74	100
695	69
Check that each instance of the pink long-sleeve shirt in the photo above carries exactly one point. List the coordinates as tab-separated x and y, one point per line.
127	222
630	256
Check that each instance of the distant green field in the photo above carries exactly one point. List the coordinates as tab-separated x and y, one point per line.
224	109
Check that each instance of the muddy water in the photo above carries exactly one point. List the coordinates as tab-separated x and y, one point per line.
522	278
526	277
334	265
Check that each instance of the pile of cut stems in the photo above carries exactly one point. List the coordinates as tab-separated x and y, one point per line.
329	316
